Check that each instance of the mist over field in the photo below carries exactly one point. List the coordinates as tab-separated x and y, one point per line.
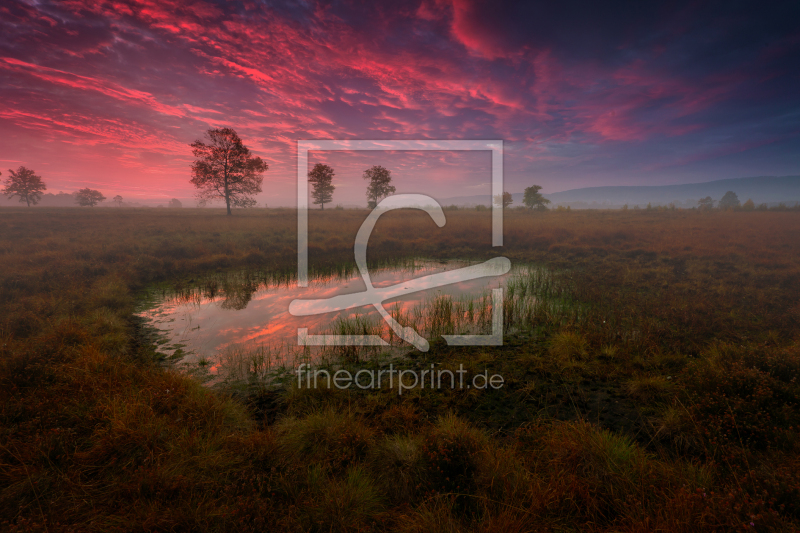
770	190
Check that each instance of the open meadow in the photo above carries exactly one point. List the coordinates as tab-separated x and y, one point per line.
665	399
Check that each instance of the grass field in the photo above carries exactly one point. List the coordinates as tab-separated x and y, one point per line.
670	403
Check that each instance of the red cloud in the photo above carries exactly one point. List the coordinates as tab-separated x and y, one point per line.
168	70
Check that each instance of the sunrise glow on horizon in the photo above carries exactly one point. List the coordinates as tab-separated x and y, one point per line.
110	94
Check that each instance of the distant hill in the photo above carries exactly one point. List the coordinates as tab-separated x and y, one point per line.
762	189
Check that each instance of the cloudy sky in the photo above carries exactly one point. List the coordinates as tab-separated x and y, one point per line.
109	94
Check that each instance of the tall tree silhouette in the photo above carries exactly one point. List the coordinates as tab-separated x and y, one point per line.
226	170
25	184
380	184
320	178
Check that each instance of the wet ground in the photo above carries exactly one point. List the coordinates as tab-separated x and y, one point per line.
203	321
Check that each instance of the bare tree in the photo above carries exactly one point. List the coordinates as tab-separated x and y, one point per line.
25	184
226	170
320	178
88	197
380	186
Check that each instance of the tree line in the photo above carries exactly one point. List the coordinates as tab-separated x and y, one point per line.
531	198
29	187
729	200
226	170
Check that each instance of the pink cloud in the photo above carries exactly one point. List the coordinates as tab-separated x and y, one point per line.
170	69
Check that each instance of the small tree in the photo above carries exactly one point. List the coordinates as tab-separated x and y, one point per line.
25	184
320	178
380	186
533	199
749	205
225	170
117	200
729	201
504	200
89	197
706	203
174	203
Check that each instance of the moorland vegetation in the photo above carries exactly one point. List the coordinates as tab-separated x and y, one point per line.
670	402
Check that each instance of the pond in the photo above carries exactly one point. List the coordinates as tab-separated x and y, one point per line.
241	319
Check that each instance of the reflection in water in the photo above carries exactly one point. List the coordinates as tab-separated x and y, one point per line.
239	314
237	296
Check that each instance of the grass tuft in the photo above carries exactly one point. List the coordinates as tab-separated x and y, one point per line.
568	346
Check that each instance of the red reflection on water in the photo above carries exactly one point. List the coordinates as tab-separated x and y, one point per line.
207	328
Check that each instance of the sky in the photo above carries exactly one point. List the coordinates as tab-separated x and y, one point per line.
110	94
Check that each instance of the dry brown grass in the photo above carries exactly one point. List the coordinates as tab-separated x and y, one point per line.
95	436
